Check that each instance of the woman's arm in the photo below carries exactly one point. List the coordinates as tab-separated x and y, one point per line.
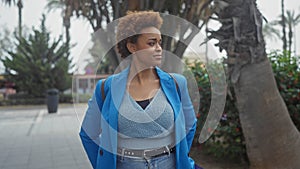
188	109
91	127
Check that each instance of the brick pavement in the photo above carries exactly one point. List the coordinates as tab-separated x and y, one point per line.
30	138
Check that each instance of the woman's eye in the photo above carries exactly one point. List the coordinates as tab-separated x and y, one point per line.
151	43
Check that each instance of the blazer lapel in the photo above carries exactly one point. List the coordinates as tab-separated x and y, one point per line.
169	87
118	88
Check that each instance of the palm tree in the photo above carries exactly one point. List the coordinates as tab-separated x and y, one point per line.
283	26
272	140
100	13
66	14
269	31
20	6
9	2
271	137
47	62
292	21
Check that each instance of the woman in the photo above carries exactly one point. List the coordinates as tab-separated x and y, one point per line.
141	117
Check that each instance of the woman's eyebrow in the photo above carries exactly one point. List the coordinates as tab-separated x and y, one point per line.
155	39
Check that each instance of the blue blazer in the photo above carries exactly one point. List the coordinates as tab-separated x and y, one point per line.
99	127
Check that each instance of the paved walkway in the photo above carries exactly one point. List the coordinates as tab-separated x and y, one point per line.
30	138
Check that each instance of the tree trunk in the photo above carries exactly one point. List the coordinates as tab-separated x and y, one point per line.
290	39
283	26
67	35
100	13
134	5
272	140
20	6
67	25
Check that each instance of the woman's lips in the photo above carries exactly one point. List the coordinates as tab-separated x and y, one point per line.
157	56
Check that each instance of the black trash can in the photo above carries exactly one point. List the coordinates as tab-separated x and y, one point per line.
52	100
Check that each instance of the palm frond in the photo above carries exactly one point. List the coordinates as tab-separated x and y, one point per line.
9	2
53	5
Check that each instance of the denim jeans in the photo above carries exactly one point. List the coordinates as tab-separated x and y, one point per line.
162	162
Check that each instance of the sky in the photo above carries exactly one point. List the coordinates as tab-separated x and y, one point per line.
32	13
80	29
271	9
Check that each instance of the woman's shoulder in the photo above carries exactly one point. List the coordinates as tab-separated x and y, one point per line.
179	77
104	81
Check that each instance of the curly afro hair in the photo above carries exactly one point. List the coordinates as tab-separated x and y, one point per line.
130	25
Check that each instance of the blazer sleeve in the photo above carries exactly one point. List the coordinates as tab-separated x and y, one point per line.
188	110
91	126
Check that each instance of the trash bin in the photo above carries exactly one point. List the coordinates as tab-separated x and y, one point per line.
52	100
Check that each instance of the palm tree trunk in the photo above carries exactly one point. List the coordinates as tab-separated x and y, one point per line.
134	5
283	26
290	39
272	140
295	41
20	6
67	25
67	35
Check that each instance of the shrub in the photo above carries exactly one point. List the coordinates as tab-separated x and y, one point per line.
81	97
22	99
38	63
65	98
287	75
26	99
227	141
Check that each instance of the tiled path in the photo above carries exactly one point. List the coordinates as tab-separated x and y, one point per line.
30	138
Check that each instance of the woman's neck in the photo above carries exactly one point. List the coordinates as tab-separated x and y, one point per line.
141	76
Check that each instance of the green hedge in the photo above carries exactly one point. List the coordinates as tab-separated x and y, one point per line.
227	141
287	74
25	99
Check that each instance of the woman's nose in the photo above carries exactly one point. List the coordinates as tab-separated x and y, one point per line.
158	46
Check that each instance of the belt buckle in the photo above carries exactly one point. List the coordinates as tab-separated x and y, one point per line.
145	154
166	150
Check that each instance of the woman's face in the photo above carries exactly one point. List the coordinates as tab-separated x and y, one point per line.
147	50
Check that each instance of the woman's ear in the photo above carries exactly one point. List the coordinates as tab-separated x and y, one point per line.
131	47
